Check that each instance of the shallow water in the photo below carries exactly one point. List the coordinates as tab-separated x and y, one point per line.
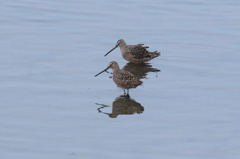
52	106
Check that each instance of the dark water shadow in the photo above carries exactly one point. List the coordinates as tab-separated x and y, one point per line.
122	105
140	70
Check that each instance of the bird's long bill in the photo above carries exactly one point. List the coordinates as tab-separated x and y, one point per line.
102	71
111	50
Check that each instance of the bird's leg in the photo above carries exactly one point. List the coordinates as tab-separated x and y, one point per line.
124	95
127	95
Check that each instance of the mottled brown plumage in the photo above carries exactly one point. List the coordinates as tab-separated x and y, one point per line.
122	78
135	53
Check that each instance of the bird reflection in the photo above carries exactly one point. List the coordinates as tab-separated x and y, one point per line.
140	70
123	105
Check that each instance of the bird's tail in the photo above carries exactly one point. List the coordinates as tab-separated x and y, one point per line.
155	54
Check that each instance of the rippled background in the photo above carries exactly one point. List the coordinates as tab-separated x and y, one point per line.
52	106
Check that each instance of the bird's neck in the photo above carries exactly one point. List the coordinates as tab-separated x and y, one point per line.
115	70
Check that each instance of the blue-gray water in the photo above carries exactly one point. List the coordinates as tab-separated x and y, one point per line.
52	106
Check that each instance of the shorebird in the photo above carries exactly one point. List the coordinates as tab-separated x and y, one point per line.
135	53
122	78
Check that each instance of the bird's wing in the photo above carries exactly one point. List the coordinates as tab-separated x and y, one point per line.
139	51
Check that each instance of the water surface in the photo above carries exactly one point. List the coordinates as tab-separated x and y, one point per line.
52	106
